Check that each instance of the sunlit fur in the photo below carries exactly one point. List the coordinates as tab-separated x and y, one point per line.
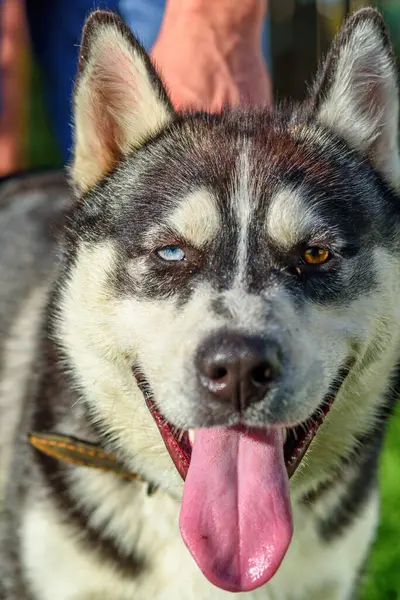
242	193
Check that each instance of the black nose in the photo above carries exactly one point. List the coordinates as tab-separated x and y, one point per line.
237	368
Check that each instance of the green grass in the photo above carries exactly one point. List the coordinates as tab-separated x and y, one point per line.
383	573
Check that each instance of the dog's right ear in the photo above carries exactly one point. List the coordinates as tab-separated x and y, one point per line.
119	99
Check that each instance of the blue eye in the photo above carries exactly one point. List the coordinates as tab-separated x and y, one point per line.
171	253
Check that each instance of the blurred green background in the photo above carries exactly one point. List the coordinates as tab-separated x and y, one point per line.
300	33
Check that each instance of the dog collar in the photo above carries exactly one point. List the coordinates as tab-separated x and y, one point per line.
83	454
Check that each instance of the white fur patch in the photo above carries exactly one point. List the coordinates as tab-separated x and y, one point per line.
88	331
243	202
197	218
289	219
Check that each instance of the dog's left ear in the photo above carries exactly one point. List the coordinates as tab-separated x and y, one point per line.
356	92
119	98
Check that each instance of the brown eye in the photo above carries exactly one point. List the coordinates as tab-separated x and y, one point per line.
315	255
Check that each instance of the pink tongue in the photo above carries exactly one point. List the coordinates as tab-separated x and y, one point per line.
235	516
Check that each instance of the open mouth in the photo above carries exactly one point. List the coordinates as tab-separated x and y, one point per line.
298	439
235	516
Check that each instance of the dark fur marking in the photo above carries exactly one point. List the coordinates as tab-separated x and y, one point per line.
221	308
364	481
52	385
104	545
357	493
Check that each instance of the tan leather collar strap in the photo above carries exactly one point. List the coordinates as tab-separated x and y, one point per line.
83	454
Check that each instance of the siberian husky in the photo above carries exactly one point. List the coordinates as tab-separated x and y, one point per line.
217	303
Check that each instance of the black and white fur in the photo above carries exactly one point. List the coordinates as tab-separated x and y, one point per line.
243	192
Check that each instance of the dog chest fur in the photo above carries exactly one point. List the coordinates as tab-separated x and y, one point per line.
61	569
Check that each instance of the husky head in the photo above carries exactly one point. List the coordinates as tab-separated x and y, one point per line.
243	267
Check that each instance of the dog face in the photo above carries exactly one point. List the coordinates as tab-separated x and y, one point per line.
240	262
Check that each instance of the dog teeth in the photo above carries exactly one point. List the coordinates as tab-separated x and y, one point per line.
191	434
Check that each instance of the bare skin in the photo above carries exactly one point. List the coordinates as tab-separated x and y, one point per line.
209	53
